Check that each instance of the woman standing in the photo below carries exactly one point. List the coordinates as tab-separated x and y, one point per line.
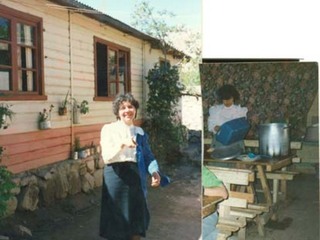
128	159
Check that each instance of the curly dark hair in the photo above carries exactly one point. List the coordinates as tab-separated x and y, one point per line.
120	98
227	92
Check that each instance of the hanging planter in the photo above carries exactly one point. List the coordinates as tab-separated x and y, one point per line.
76	115
44	118
62	110
6	115
45	125
82	108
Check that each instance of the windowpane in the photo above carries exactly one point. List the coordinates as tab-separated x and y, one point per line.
101	51
113	89
26	81
25	57
5	54
4	29
122	71
5	79
25	34
112	65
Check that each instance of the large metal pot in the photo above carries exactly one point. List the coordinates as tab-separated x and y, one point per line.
274	139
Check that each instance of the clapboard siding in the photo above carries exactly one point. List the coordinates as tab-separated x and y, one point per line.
68	51
43	147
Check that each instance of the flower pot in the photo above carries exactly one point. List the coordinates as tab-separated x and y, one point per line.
62	111
44	125
82	154
76	115
75	155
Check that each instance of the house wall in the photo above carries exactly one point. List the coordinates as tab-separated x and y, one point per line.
68	46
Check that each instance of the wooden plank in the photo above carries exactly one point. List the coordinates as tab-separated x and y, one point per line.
234	202
294	145
279	175
232	175
209	204
249	197
244	213
227	227
260	207
279	164
265	185
233	221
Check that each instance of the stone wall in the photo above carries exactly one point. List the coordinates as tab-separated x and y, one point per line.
45	186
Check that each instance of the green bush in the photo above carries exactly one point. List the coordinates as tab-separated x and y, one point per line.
6	185
163	125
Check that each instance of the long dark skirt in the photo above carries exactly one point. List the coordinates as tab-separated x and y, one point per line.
124	211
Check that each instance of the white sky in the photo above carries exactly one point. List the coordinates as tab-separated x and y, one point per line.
261	29
188	12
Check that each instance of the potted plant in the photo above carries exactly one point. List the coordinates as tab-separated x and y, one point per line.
63	107
44	118
82	108
79	152
5	114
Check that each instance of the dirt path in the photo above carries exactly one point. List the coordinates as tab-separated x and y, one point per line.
175	213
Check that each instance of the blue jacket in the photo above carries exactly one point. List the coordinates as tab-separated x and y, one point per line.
147	162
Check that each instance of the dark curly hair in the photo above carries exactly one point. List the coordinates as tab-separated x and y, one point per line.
120	98
227	92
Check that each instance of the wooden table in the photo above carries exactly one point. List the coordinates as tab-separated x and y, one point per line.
262	166
209	204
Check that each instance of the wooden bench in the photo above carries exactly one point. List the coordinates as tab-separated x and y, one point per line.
254	212
229	219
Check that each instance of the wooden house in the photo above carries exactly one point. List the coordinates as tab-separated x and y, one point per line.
51	48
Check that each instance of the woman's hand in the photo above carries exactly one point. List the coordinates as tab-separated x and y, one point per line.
217	128
155	180
129	142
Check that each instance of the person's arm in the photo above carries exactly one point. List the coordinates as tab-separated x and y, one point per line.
220	191
212	185
213	119
151	163
111	145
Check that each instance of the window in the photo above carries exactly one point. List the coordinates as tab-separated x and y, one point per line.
112	64
21	75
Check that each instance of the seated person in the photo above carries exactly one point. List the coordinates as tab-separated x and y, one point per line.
212	187
226	111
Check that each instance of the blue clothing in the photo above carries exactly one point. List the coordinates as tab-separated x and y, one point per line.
124	210
209	230
147	162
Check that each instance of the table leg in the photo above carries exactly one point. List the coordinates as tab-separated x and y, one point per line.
275	190
283	186
264	184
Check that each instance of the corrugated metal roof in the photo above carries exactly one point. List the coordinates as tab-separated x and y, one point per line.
112	22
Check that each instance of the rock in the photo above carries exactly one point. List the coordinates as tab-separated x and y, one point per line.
28	180
99	162
87	182
47	191
61	182
74	182
4	237
12	204
90	165
98	179
29	198
23	231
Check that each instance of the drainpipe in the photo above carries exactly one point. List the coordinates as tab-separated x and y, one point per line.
144	84
71	78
